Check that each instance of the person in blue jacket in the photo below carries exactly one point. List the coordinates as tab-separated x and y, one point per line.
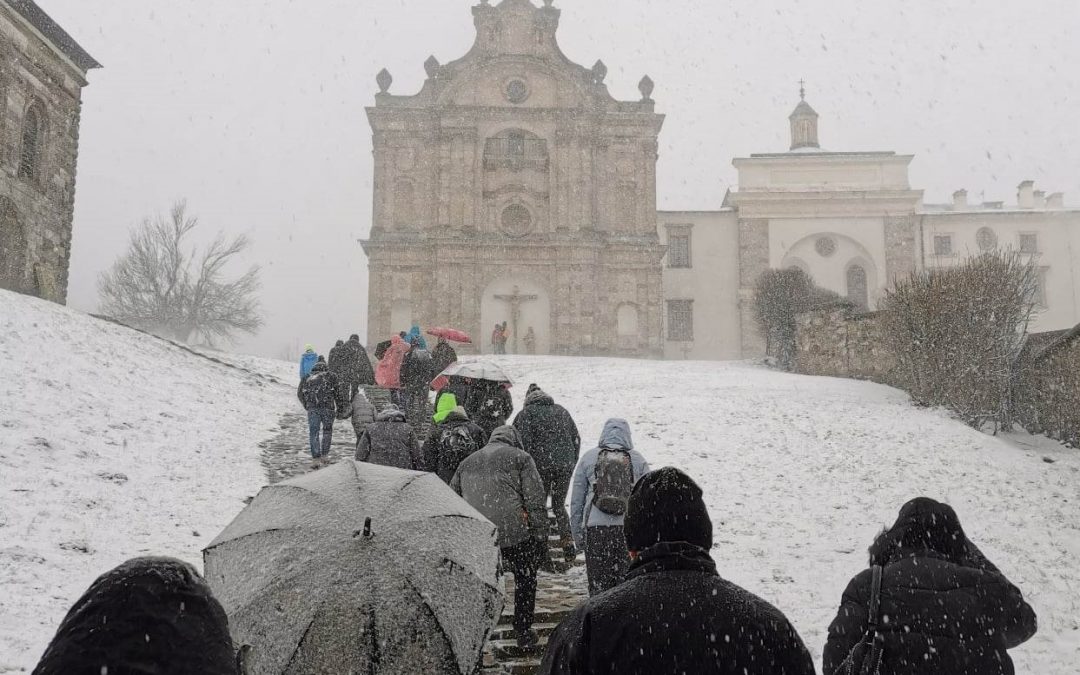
414	334
308	361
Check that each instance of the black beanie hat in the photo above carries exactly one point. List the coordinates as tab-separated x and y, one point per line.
666	506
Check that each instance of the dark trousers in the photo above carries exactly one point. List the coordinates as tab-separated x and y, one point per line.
320	419
606	557
522	561
556	485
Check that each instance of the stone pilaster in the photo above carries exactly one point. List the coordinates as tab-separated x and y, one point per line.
753	260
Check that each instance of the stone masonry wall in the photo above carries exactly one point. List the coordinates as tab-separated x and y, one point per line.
36	211
838	342
1048	399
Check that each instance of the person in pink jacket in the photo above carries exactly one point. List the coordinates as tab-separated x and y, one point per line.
388	371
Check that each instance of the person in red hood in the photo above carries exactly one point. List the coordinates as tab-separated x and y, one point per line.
388	372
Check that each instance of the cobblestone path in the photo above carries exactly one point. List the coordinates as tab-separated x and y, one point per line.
287	455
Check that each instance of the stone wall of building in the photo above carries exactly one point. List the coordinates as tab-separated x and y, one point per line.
839	342
1048	398
40	88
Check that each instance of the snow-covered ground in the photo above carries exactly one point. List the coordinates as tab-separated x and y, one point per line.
113	444
799	472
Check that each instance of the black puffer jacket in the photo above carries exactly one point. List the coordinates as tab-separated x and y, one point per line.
358	369
549	434
390	441
673	616
950	611
148	616
489	405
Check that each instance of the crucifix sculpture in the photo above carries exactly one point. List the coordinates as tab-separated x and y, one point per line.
515	300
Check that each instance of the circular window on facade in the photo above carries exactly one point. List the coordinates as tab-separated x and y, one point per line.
517	91
516	220
986	238
825	246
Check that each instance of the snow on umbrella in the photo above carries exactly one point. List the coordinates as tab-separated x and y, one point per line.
451	334
477	370
358	568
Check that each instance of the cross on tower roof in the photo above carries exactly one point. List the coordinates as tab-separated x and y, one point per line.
802	89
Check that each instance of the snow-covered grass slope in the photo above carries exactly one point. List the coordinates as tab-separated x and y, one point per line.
800	473
113	444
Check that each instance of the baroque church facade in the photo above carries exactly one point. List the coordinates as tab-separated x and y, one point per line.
42	74
514	188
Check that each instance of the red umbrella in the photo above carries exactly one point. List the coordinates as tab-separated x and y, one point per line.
451	334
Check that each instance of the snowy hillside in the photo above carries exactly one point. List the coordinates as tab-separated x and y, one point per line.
800	473
113	444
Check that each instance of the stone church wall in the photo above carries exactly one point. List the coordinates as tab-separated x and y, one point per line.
37	211
838	342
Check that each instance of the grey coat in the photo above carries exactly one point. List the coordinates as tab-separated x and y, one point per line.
501	482
583	514
390	441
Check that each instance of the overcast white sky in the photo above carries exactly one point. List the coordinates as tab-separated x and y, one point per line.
254	111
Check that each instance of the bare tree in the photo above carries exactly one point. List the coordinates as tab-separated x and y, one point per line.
959	333
781	295
166	287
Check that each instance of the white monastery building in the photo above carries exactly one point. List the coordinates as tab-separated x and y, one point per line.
514	188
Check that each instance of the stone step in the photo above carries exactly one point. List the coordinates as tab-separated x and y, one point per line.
543	615
508	650
507	632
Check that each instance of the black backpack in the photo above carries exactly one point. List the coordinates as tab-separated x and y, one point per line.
455	444
865	657
318	391
614	480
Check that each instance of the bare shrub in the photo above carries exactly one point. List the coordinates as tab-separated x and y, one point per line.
780	295
163	286
959	333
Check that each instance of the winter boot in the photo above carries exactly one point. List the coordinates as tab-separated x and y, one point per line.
527	639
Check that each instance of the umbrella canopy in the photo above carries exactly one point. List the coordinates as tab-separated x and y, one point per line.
451	334
358	568
477	370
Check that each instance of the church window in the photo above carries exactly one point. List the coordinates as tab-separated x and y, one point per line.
1029	242
30	157
515	149
516	220
1040	286
12	246
858	292
986	238
516	145
825	246
517	91
680	320
678	247
943	244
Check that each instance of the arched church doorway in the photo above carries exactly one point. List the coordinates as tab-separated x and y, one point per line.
523	305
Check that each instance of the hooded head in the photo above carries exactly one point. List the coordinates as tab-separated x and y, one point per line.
507	435
354	338
309	349
147	615
322	359
536	396
667	506
446	405
616	434
923	525
320	366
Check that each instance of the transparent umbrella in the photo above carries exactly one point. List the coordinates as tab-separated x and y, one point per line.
358	568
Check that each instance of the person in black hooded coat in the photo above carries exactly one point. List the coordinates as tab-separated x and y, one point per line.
674	615
147	616
950	611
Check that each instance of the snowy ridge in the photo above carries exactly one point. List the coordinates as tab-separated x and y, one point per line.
113	444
